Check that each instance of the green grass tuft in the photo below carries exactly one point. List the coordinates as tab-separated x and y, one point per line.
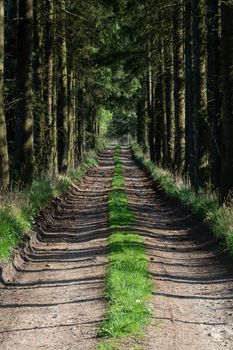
115	344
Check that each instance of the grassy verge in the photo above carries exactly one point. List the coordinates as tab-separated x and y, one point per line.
19	209
128	286
205	205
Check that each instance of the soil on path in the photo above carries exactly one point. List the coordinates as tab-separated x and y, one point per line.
193	299
55	300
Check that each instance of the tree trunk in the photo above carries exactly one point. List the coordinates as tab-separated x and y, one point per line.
179	90
11	15
189	146
80	125
163	105
157	120
214	93
24	120
4	159
63	97
169	90
200	94
227	69
49	43
150	111
38	85
54	150
73	118
141	123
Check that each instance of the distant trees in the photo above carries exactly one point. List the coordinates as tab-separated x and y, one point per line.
122	125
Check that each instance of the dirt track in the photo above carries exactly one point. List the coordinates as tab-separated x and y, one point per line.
193	299
55	300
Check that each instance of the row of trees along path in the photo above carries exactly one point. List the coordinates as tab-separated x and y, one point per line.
65	65
53	295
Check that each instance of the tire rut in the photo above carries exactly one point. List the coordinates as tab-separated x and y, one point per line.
55	300
193	299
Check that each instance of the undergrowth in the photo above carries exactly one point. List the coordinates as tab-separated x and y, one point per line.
201	203
19	209
128	286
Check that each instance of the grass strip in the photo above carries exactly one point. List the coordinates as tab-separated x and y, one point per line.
128	285
201	203
119	213
19	209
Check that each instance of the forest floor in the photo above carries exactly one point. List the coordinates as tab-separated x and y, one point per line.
55	297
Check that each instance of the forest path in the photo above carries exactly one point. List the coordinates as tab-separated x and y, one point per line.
55	300
193	299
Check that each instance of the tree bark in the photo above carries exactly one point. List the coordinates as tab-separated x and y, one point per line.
4	158
189	146
24	120
163	104
49	46
157	120
141	123
11	18
200	121
214	93
63	124
54	152
80	124
179	89
71	117
39	102
227	75
169	90
150	110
